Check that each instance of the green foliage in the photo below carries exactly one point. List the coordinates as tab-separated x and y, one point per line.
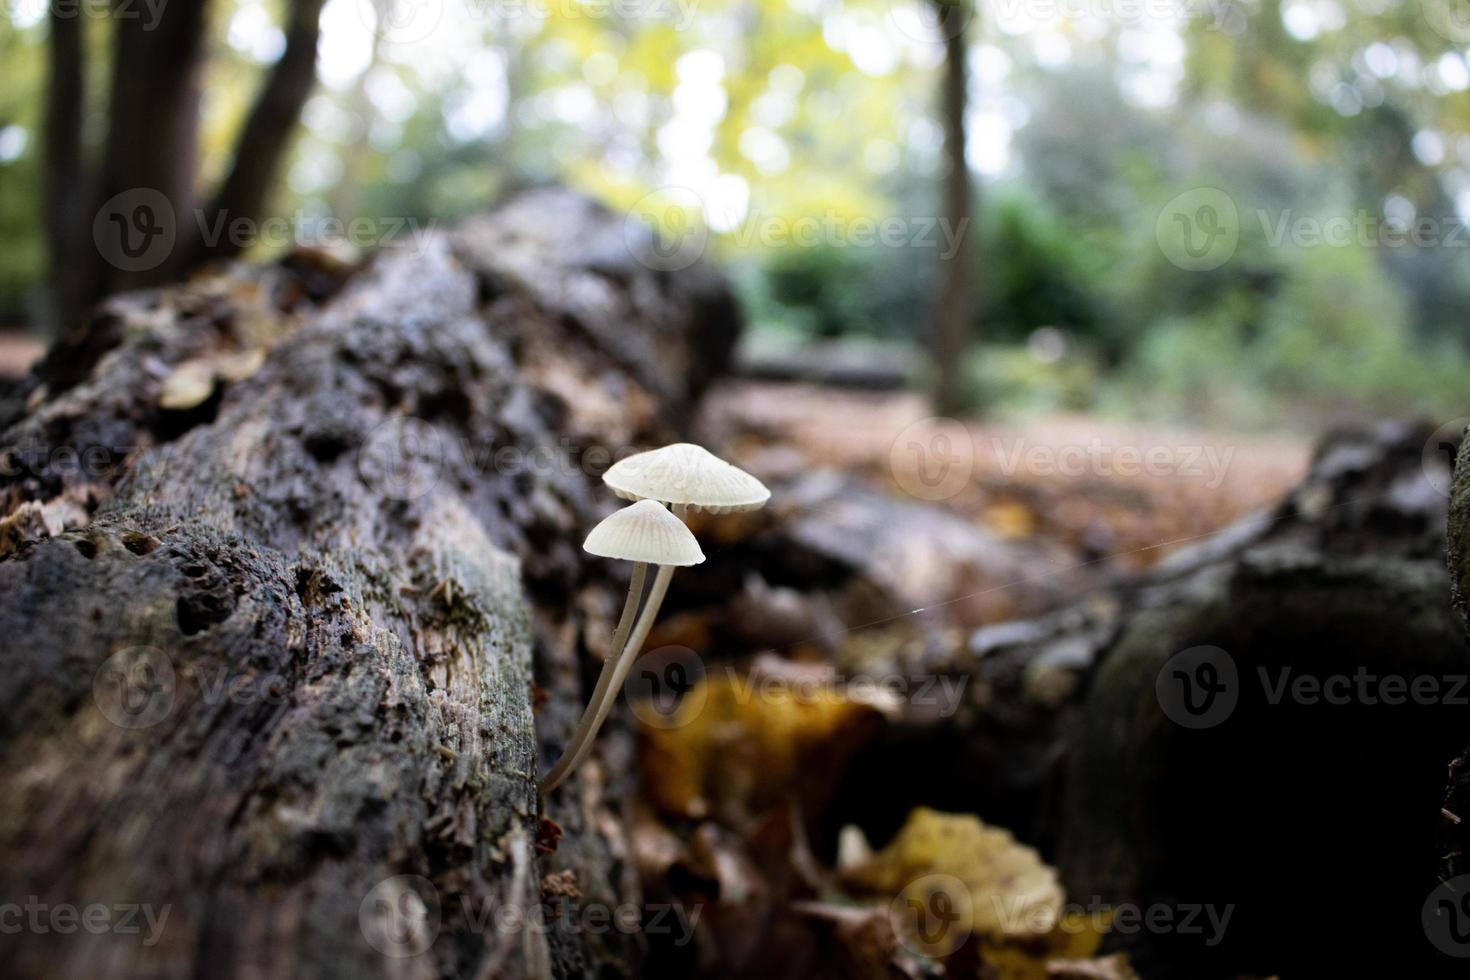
1335	323
23	255
825	110
1035	272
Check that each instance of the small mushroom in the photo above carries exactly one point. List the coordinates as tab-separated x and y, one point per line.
686	475
645	534
683	475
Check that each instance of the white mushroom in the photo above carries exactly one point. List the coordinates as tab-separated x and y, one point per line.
683	475
688	475
645	534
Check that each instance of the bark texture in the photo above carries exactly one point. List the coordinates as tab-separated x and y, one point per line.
273	655
1318	785
1455	814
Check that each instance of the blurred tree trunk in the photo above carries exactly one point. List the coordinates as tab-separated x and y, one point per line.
64	193
152	132
956	303
263	141
134	220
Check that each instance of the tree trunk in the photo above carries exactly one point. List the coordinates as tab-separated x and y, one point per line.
64	108
956	305
276	637
263	140
147	178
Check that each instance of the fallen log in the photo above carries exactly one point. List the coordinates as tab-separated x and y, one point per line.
1301	794
288	558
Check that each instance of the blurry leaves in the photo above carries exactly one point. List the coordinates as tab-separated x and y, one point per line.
739	745
1011	519
949	877
1013	893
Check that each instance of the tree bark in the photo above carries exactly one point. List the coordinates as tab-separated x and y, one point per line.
273	653
151	143
1455	813
1317	769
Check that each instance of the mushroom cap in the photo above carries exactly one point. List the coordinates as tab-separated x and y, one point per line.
684	473
646	532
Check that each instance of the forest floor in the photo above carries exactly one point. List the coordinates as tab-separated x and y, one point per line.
1123	494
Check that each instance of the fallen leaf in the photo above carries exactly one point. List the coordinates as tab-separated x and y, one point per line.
954	884
239	365
735	746
187	386
1011	892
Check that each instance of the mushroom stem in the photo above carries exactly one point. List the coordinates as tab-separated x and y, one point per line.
625	621
614	672
650	610
591	718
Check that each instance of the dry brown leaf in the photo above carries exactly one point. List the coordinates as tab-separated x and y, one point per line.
187	386
738	745
949	877
239	365
868	948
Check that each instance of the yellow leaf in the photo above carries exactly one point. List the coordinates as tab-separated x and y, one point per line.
1011	892
737	745
1011	520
